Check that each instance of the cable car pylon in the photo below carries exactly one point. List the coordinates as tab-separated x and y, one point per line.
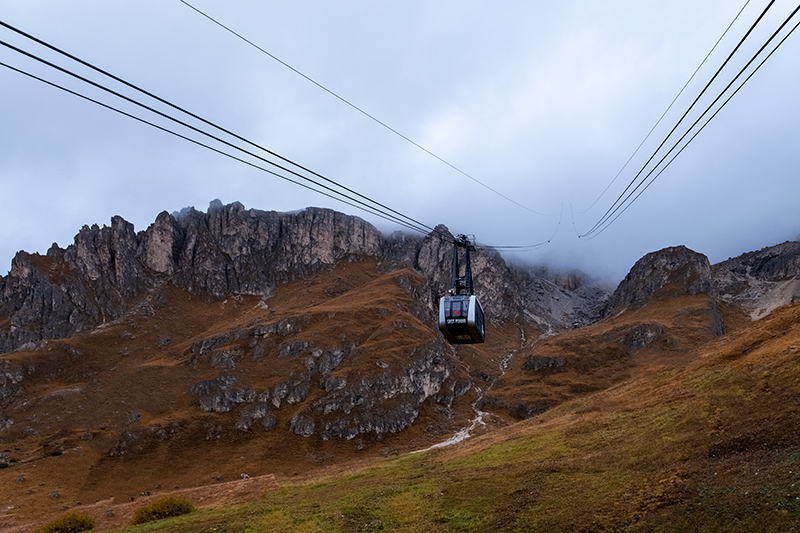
460	313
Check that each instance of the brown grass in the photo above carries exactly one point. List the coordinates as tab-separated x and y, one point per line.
691	433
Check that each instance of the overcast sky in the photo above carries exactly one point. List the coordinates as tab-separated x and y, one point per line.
542	101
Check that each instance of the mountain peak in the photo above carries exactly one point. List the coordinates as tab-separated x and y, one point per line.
684	270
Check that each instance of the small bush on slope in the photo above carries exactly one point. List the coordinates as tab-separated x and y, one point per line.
164	508
70	523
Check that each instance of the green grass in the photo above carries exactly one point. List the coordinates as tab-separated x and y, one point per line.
676	465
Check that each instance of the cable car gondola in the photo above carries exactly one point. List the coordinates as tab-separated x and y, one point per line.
460	313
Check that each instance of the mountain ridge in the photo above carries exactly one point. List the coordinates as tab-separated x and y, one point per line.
326	356
231	250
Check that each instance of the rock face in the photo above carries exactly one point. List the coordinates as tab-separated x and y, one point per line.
326	369
364	365
761	281
309	382
228	250
686	271
775	263
232	250
384	401
758	281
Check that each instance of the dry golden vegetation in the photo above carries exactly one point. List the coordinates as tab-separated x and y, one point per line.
712	446
689	431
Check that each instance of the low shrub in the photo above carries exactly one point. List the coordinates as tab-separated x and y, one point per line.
163	508
70	523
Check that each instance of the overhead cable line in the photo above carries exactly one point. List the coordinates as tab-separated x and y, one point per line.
622	209
421	228
381	211
706	123
527	247
664	114
207	146
392	214
625	195
148	108
360	110
194	141
204	121
623	206
619	199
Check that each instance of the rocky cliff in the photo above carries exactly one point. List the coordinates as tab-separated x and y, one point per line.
362	356
228	250
684	270
757	281
763	280
671	302
231	250
354	354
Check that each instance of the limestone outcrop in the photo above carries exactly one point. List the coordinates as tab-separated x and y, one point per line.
763	280
683	270
757	281
231	250
228	250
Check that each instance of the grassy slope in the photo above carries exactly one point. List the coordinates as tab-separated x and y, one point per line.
81	396
712	446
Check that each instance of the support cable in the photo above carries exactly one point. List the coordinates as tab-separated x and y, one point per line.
527	247
622	198
360	110
203	120
199	143
202	132
699	130
664	114
385	213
